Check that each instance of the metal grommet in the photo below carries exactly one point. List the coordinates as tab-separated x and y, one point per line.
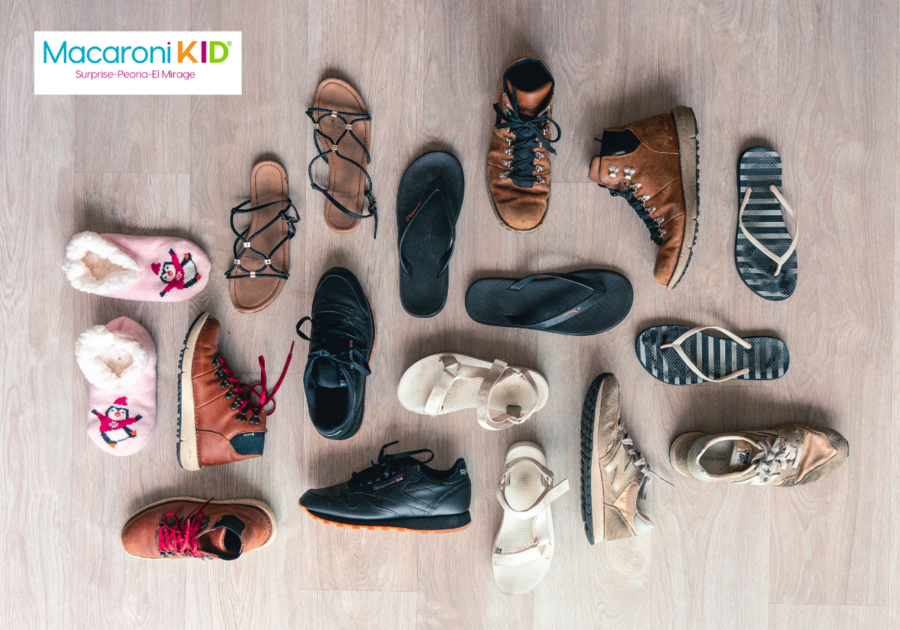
269	261
246	244
252	274
333	114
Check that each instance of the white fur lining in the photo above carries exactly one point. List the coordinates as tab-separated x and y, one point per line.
82	278
97	341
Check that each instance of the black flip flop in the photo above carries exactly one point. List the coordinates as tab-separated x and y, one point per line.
677	355
428	203
764	250
585	302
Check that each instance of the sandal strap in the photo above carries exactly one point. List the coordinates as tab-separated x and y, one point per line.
349	119
676	345
436	189
540	550
778	260
243	243
453	371
597	292
498	373
549	495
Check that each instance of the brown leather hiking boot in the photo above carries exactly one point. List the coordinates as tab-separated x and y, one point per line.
652	163
518	162
218	422
185	527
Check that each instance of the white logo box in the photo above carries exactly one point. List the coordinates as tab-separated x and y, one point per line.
137	62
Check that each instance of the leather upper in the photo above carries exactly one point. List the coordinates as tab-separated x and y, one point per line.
218	427
411	490
521	207
140	535
657	170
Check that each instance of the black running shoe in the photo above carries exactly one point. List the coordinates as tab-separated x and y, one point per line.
341	340
399	492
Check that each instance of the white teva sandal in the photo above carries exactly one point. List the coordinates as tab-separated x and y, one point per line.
444	383
523	547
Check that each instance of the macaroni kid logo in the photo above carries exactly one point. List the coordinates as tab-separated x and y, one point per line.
144	62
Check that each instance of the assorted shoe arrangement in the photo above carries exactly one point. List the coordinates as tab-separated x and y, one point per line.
651	163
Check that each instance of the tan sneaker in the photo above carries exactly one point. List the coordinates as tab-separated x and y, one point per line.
613	473
789	455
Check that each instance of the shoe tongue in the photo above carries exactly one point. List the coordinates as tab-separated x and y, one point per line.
530	102
328	374
742	453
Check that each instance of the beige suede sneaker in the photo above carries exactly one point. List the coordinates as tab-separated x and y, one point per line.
789	455
613	473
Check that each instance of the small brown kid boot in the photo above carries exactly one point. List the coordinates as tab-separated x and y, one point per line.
185	527
218	422
652	163
518	162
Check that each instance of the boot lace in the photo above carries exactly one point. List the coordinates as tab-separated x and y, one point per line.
178	536
643	213
385	466
241	392
774	454
528	136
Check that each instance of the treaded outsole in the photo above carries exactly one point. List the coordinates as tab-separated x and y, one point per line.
697	220
180	372
587	453
386	528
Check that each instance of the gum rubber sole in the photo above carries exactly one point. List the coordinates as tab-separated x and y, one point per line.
689	153
186	447
252	502
396	528
592	494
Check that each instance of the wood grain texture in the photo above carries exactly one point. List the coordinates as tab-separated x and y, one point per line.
813	78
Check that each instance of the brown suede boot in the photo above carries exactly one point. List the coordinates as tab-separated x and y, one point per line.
217	421
653	164
185	527
518	162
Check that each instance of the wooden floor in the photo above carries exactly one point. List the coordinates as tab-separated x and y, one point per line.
817	80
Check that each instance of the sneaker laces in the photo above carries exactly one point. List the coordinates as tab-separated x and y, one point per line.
242	391
340	345
528	135
384	467
774	454
638	461
178	536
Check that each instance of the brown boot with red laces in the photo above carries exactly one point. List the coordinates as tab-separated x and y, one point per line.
185	527
518	163
218	422
652	164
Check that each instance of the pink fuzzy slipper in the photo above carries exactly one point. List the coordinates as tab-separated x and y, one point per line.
119	361
143	268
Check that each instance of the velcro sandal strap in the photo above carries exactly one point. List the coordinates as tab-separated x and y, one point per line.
676	346
548	496
453	370
498	373
541	550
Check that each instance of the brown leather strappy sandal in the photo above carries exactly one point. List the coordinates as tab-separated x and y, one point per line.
342	134
262	252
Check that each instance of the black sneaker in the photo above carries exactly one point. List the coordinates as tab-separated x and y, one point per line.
340	344
399	492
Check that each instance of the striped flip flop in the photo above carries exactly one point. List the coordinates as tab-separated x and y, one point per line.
678	355
764	250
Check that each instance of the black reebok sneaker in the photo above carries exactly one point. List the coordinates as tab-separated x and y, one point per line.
399	492
341	339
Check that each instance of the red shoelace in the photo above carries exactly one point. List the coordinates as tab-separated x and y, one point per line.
179	535
243	391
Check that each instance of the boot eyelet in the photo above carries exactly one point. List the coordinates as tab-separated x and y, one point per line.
540	155
628	172
636	186
217	361
507	163
241	417
662	232
613	170
230	394
508	140
539	168
504	175
658	220
235	405
219	374
507	110
644	198
254	419
224	384
540	180
508	151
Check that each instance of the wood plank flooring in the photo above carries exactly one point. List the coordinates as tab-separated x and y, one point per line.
816	79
